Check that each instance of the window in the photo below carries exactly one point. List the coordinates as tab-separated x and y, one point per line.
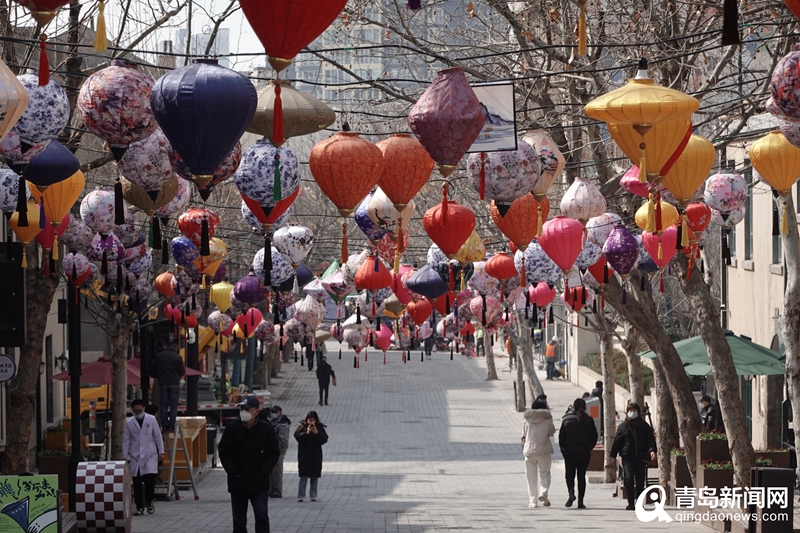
48	365
748	215
777	250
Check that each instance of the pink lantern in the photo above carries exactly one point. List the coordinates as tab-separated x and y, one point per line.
630	182
543	294
583	200
562	241
662	249
383	337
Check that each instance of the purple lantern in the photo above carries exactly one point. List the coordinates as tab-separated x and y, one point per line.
621	251
183	251
427	282
249	289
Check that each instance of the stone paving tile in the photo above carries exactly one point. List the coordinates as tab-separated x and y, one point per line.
414	448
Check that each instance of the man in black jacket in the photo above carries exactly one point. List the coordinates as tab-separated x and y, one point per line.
249	451
168	368
324	375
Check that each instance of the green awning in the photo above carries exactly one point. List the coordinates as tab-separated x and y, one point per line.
750	358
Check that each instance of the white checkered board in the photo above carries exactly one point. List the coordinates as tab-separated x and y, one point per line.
103	497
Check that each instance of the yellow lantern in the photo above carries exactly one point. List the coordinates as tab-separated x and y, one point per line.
691	169
472	250
778	162
25	234
13	99
220	294
239	334
645	217
642	104
662	140
58	199
210	264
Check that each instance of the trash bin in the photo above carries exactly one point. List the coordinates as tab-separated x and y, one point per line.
211	444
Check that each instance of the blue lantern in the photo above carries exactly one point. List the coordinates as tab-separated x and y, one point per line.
304	275
373	232
183	251
55	164
203	109
427	282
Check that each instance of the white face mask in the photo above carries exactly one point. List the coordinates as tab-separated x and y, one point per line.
245	416
139	416
633	414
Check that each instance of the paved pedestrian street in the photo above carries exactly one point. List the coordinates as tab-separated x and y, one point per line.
415	447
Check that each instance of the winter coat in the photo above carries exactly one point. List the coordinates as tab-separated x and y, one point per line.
537	427
309	450
325	373
577	438
634	440
168	367
141	445
248	456
281	427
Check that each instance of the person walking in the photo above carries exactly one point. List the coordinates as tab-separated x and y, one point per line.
576	438
429	345
636	444
537	428
143	448
280	423
480	346
249	451
550	358
324	375
168	369
597	392
310	436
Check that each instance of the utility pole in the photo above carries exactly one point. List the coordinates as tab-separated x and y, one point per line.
74	339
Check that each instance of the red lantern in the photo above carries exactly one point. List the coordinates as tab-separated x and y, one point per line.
47	237
501	266
280	208
163	285
249	321
449	225
444	302
698	215
600	271
199	225
419	311
544	294
575	297
43	12
512	247
562	241
372	275
524	219
794	6
189	321
406	168
662	248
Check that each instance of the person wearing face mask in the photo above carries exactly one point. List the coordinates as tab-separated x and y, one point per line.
280	423
249	451
143	448
310	436
636	444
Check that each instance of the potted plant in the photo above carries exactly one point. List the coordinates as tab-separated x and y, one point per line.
55	462
779	456
716	474
56	438
764	461
679	470
714	446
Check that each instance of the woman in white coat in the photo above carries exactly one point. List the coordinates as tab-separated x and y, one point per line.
537	428
143	448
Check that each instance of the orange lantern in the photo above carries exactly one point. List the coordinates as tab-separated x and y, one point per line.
449	225
524	219
419	311
163	283
25	234
372	275
58	199
406	168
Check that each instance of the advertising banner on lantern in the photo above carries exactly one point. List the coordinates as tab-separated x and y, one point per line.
499	133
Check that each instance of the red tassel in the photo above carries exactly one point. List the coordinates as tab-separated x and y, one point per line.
46	267
443	218
661	283
344	255
366	355
483	175
659	228
384	358
277	118
44	64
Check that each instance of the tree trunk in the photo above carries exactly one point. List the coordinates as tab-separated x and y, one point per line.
609	401
119	393
635	380
640	311
275	366
726	379
491	370
790	316
522	339
22	393
521	400
666	432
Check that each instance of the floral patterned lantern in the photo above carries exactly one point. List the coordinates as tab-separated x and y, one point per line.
203	109
481	281
146	163
17	154
389	251
784	85
14	100
218	321
178	203
25	234
790	130
590	254
385	216
538	265
56	163
183	251
621	250
598	228
582	201
690	169
561	240
98	211
728	219
725	191
504	176
630	182
47	112
523	221
225	170
78	235
258	179
9	190
447	119
365	223
551	160
486	307
472	250
315	289
337	285
76	268
407	167
449	225
280	268
294	242
199	225
698	216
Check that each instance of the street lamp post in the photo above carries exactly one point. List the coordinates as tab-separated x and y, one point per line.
74	340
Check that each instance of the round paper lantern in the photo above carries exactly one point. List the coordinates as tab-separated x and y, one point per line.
218	321
588	256
56	163
538	265
183	251
372	275
220	295
385	216
249	289
139	197
14	99
9	190
257	178
621	250
146	163
790	130
582	201
472	250
777	160
447	119
785	83
486	307
346	167
600	270
725	191
387	247
577	297
561	240
668	216
420	310
47	112
163	284
406	168
698	216
76	268
551	160
203	109
281	269
662	248
690	169
97	211
598	228
114	104
501	266
199	225
543	294
106	249
178	202
504	176
728	219
25	234
523	220
449	225
630	182
78	235
302	113
17	154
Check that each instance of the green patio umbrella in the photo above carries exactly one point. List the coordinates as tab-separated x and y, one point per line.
750	358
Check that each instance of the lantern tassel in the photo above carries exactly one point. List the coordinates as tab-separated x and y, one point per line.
641	284
659	226
156	232
376	266
100	39
483	310
691	267
267	261
54	254
660	251
730	23
443	218
396	266
41	214
450	279
684	236
642	163
119	207
164	251
661	282
276	186
104	263
22	204
483	176
625	294
277	119
523	281
605	273
539	223
343	255
651	215
462	281
44	64
205	248
582	29
551	319
24	258
784	220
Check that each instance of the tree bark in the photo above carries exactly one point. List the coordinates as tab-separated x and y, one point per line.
119	392
630	345
521	337
725	377
640	311
22	393
666	432
491	370
609	401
